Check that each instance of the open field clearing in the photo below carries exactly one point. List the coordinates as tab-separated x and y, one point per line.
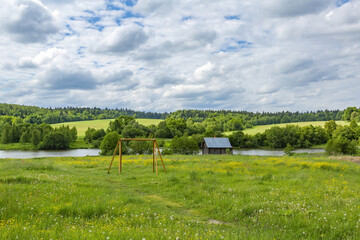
201	197
262	128
82	126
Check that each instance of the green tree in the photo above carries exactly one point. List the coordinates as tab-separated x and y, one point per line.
97	136
88	134
5	133
347	113
288	149
25	137
184	145
35	136
237	139
55	141
109	143
340	145
330	127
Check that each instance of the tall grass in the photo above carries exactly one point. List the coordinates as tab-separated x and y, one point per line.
201	197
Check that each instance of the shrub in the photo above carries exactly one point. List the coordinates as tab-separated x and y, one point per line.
184	145
55	141
140	147
167	151
109	143
341	145
288	149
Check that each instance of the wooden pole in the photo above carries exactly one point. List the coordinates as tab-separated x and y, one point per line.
156	163
153	155
117	145
120	156
160	156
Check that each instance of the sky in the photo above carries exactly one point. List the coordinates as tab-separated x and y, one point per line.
166	55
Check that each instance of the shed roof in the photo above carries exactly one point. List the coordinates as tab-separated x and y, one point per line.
217	142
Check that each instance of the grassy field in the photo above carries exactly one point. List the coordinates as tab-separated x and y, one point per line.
262	128
201	197
82	126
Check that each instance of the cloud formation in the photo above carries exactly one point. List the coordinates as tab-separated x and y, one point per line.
121	39
164	55
28	21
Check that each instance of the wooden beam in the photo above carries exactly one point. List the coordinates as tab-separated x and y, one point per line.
160	156
137	139
117	145
120	156
154	155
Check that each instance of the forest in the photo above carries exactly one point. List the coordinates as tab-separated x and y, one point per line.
186	128
33	114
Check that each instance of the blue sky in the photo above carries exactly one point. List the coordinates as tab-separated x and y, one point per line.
164	55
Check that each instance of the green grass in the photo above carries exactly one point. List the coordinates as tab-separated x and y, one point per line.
262	128
17	146
78	144
82	126
201	197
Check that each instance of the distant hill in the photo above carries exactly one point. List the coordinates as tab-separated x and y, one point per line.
33	114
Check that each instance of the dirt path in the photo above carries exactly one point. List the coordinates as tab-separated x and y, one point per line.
355	159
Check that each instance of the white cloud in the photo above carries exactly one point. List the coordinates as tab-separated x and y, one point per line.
71	77
164	55
122	39
288	8
44	57
28	21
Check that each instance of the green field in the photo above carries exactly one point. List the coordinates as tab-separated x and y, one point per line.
262	128
82	126
201	197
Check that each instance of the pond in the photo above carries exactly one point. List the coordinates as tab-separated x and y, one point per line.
38	154
95	152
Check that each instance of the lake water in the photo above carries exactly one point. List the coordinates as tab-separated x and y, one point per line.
264	152
38	154
95	152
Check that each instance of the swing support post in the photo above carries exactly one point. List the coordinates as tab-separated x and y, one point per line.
156	151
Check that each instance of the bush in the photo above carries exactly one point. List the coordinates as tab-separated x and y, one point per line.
341	146
109	143
288	149
140	147
184	145
167	151
55	141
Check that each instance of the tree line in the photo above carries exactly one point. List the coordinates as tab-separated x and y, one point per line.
38	115
33	114
263	118
187	136
41	136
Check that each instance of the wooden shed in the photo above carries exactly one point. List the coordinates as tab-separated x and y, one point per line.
216	146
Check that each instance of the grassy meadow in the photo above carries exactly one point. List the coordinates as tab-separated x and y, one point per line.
82	126
201	197
262	128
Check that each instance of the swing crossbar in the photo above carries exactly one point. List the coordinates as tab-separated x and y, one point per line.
155	149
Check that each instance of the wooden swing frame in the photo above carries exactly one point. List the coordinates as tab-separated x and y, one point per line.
155	148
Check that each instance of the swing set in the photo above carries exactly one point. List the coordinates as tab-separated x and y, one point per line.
156	150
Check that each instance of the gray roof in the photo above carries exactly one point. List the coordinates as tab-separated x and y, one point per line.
217	142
